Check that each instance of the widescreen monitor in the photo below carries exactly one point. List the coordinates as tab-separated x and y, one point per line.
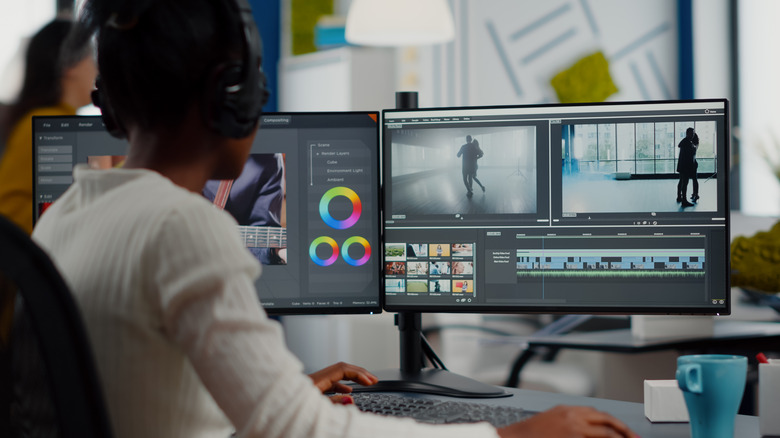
565	208
307	201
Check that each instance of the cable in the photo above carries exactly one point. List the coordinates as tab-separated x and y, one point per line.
430	354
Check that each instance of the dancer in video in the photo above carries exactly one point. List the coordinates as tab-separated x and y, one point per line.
686	167
694	179
470	153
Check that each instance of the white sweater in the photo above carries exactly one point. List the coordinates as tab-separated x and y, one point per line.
182	346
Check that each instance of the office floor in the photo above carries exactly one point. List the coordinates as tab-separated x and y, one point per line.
507	190
609	195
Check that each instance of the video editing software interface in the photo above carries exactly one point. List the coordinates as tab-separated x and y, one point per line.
307	201
557	208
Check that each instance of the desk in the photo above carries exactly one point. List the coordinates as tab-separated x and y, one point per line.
633	414
729	335
744	310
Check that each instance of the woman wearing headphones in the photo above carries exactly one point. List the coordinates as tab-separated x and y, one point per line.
165	287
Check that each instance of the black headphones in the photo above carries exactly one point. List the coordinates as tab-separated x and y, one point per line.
100	100
234	105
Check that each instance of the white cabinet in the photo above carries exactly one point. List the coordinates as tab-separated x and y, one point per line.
343	79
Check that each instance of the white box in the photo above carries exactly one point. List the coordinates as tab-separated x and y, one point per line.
664	402
769	398
648	327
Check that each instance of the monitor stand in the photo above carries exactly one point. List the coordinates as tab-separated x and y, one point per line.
412	377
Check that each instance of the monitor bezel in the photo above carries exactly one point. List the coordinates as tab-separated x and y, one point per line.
590	310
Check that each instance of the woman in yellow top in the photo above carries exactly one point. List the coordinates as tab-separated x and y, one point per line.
58	79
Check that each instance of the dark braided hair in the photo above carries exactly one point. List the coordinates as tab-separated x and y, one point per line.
155	57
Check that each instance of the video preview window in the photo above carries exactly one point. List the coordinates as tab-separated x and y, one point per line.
256	199
633	167
463	171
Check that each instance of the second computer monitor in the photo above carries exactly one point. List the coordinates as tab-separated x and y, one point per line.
585	208
307	201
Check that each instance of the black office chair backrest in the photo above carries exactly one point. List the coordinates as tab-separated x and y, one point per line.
48	337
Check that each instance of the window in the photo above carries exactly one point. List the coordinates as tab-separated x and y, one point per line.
640	148
626	147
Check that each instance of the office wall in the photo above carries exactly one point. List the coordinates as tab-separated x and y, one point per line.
711	49
267	14
507	51
759	88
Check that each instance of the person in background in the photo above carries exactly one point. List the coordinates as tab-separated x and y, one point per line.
57	81
164	285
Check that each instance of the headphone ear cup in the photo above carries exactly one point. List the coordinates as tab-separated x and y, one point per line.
236	103
219	112
234	106
100	100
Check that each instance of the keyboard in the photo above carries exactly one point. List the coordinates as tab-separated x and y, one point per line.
436	411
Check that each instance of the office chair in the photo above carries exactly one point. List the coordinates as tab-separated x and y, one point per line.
56	390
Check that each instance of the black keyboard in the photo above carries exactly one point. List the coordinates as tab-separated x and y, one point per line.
435	411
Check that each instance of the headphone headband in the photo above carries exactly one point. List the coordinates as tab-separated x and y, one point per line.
240	89
235	101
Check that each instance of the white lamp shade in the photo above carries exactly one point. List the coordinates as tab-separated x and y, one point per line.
399	22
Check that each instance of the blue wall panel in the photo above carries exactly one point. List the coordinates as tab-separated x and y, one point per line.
267	16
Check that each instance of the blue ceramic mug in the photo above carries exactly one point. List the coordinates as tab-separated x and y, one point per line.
712	386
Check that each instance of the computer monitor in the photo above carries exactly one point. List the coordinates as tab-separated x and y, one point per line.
307	201
557	208
564	208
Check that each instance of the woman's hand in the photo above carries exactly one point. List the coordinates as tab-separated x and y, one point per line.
569	422
329	379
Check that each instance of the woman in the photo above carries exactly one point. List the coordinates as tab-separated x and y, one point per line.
165	287
57	81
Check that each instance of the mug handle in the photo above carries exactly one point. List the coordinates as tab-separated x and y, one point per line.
689	377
